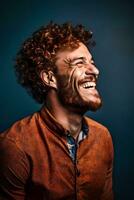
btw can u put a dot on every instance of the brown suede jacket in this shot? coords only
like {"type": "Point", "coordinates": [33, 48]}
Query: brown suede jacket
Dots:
{"type": "Point", "coordinates": [35, 163]}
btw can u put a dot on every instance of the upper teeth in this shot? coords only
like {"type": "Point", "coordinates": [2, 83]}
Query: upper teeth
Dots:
{"type": "Point", "coordinates": [89, 84]}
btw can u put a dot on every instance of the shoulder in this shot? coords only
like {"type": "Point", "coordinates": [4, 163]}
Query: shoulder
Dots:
{"type": "Point", "coordinates": [101, 135]}
{"type": "Point", "coordinates": [99, 131]}
{"type": "Point", "coordinates": [20, 130]}
{"type": "Point", "coordinates": [15, 166]}
{"type": "Point", "coordinates": [12, 154]}
{"type": "Point", "coordinates": [94, 124]}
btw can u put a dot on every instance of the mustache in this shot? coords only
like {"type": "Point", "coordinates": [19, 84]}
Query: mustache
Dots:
{"type": "Point", "coordinates": [89, 78]}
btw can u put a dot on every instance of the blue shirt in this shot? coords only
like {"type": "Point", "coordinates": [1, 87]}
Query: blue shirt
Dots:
{"type": "Point", "coordinates": [73, 144]}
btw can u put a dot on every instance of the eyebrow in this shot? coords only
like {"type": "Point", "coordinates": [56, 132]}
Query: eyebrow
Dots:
{"type": "Point", "coordinates": [70, 61]}
{"type": "Point", "coordinates": [77, 58]}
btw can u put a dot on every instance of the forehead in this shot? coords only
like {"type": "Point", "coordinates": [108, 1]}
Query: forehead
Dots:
{"type": "Point", "coordinates": [81, 51]}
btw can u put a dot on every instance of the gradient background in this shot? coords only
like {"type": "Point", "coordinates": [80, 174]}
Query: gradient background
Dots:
{"type": "Point", "coordinates": [113, 27]}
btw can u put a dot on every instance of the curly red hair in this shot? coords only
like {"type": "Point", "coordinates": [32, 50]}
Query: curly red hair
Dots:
{"type": "Point", "coordinates": [38, 52]}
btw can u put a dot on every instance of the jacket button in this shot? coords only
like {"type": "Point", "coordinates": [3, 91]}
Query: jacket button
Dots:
{"type": "Point", "coordinates": [78, 172]}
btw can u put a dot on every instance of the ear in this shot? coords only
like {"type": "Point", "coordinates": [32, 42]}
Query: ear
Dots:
{"type": "Point", "coordinates": [48, 79]}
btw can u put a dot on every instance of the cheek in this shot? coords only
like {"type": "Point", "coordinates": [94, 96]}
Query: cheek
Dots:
{"type": "Point", "coordinates": [76, 76]}
{"type": "Point", "coordinates": [62, 81]}
{"type": "Point", "coordinates": [70, 78]}
{"type": "Point", "coordinates": [67, 79]}
{"type": "Point", "coordinates": [79, 74]}
{"type": "Point", "coordinates": [63, 78]}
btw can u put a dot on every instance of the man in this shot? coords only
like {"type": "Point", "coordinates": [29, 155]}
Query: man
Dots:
{"type": "Point", "coordinates": [57, 153]}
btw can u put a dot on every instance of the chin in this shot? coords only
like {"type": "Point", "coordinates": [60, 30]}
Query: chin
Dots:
{"type": "Point", "coordinates": [79, 104]}
{"type": "Point", "coordinates": [94, 107]}
{"type": "Point", "coordinates": [94, 104]}
{"type": "Point", "coordinates": [83, 106]}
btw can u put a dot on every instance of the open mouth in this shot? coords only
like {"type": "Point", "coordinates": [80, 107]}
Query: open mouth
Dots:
{"type": "Point", "coordinates": [88, 85]}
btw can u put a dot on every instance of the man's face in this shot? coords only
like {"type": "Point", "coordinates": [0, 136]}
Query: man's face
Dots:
{"type": "Point", "coordinates": [76, 79]}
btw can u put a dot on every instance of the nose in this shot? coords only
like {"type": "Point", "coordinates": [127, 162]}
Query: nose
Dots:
{"type": "Point", "coordinates": [91, 69]}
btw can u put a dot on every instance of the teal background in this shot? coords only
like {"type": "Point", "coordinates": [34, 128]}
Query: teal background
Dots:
{"type": "Point", "coordinates": [113, 27]}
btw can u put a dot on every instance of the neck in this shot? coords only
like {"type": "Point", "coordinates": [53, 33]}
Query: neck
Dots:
{"type": "Point", "coordinates": [69, 118]}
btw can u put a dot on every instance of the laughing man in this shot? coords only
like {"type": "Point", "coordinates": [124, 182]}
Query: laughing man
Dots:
{"type": "Point", "coordinates": [57, 153]}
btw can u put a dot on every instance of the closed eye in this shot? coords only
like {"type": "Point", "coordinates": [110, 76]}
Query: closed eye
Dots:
{"type": "Point", "coordinates": [81, 62]}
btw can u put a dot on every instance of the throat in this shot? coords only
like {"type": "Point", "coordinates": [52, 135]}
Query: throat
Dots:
{"type": "Point", "coordinates": [74, 128]}
{"type": "Point", "coordinates": [64, 115]}
{"type": "Point", "coordinates": [70, 122]}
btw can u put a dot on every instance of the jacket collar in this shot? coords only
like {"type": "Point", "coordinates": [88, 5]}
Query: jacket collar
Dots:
{"type": "Point", "coordinates": [53, 125]}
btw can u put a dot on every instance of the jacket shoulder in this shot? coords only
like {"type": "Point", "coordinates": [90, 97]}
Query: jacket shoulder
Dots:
{"type": "Point", "coordinates": [98, 129]}
{"type": "Point", "coordinates": [101, 134]}
{"type": "Point", "coordinates": [95, 124]}
{"type": "Point", "coordinates": [18, 129]}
